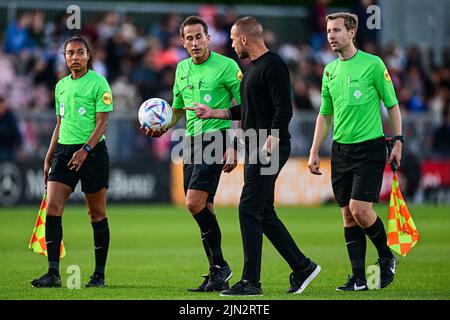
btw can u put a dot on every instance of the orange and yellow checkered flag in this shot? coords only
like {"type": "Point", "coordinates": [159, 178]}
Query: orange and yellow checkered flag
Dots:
{"type": "Point", "coordinates": [402, 232]}
{"type": "Point", "coordinates": [37, 242]}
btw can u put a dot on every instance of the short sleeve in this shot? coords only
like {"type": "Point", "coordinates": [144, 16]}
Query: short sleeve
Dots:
{"type": "Point", "coordinates": [384, 85]}
{"type": "Point", "coordinates": [326, 107]}
{"type": "Point", "coordinates": [57, 99]}
{"type": "Point", "coordinates": [233, 77]}
{"type": "Point", "coordinates": [103, 99]}
{"type": "Point", "coordinates": [178, 102]}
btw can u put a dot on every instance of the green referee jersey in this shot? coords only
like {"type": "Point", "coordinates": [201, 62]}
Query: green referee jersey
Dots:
{"type": "Point", "coordinates": [352, 91]}
{"type": "Point", "coordinates": [77, 102]}
{"type": "Point", "coordinates": [214, 82]}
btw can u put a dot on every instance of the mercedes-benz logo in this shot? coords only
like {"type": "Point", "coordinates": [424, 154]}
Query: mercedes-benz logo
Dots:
{"type": "Point", "coordinates": [10, 184]}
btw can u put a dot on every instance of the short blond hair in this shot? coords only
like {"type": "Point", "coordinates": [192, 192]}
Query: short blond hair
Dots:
{"type": "Point", "coordinates": [350, 20]}
{"type": "Point", "coordinates": [250, 27]}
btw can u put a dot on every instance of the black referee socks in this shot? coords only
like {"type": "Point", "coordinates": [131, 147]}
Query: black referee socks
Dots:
{"type": "Point", "coordinates": [101, 245]}
{"type": "Point", "coordinates": [355, 239]}
{"type": "Point", "coordinates": [207, 250]}
{"type": "Point", "coordinates": [377, 234]}
{"type": "Point", "coordinates": [53, 237]}
{"type": "Point", "coordinates": [210, 230]}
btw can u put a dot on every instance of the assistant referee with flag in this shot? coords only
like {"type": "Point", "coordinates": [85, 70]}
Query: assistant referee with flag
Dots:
{"type": "Point", "coordinates": [352, 88]}
{"type": "Point", "coordinates": [77, 152]}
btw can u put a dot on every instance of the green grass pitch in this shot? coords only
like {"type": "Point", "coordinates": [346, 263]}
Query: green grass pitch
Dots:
{"type": "Point", "coordinates": [156, 253]}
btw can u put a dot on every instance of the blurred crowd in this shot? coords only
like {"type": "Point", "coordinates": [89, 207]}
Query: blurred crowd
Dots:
{"type": "Point", "coordinates": [139, 62]}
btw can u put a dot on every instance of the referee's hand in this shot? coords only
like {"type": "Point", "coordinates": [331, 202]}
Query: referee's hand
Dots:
{"type": "Point", "coordinates": [202, 111]}
{"type": "Point", "coordinates": [396, 154]}
{"type": "Point", "coordinates": [46, 171]}
{"type": "Point", "coordinates": [230, 160]}
{"type": "Point", "coordinates": [314, 164]}
{"type": "Point", "coordinates": [153, 133]}
{"type": "Point", "coordinates": [77, 160]}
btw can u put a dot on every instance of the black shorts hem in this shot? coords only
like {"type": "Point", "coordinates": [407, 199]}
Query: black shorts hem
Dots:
{"type": "Point", "coordinates": [364, 199]}
{"type": "Point", "coordinates": [93, 190]}
{"type": "Point", "coordinates": [210, 194]}
{"type": "Point", "coordinates": [55, 179]}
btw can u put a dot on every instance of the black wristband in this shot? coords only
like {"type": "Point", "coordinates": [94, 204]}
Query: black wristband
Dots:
{"type": "Point", "coordinates": [87, 148]}
{"type": "Point", "coordinates": [399, 138]}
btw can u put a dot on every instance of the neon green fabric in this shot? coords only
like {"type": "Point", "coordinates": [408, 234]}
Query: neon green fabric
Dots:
{"type": "Point", "coordinates": [77, 102]}
{"type": "Point", "coordinates": [214, 82]}
{"type": "Point", "coordinates": [352, 91]}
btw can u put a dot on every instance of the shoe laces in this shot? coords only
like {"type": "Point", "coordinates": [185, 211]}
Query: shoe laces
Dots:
{"type": "Point", "coordinates": [292, 279]}
{"type": "Point", "coordinates": [349, 278]}
{"type": "Point", "coordinates": [383, 262]}
{"type": "Point", "coordinates": [95, 277]}
{"type": "Point", "coordinates": [47, 275]}
{"type": "Point", "coordinates": [239, 284]}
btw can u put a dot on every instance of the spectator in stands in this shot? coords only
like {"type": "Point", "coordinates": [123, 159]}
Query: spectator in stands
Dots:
{"type": "Point", "coordinates": [37, 29]}
{"type": "Point", "coordinates": [31, 62]}
{"type": "Point", "coordinates": [10, 138]}
{"type": "Point", "coordinates": [316, 17]}
{"type": "Point", "coordinates": [18, 35]}
{"type": "Point", "coordinates": [167, 29]}
{"type": "Point", "coordinates": [366, 36]}
{"type": "Point", "coordinates": [108, 27]}
{"type": "Point", "coordinates": [146, 77]}
{"type": "Point", "coordinates": [8, 73]}
{"type": "Point", "coordinates": [441, 137]}
{"type": "Point", "coordinates": [301, 98]}
{"type": "Point", "coordinates": [441, 99]}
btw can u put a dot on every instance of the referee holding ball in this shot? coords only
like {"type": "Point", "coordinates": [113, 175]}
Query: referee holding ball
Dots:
{"type": "Point", "coordinates": [77, 152]}
{"type": "Point", "coordinates": [352, 88]}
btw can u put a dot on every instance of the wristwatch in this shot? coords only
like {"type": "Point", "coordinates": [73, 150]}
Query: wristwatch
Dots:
{"type": "Point", "coordinates": [399, 138]}
{"type": "Point", "coordinates": [87, 148]}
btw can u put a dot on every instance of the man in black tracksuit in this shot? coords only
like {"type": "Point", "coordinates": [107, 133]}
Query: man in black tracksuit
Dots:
{"type": "Point", "coordinates": [265, 105]}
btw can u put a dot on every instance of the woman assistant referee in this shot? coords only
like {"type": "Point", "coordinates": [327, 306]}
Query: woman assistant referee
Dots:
{"type": "Point", "coordinates": [77, 152]}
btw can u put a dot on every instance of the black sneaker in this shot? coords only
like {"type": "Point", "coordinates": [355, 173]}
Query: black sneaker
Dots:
{"type": "Point", "coordinates": [218, 277]}
{"type": "Point", "coordinates": [202, 286]}
{"type": "Point", "coordinates": [47, 280]}
{"type": "Point", "coordinates": [387, 271]}
{"type": "Point", "coordinates": [244, 288]}
{"type": "Point", "coordinates": [354, 284]}
{"type": "Point", "coordinates": [96, 281]}
{"type": "Point", "coordinates": [300, 280]}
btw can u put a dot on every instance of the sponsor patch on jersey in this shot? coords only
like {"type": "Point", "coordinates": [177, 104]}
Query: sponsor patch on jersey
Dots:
{"type": "Point", "coordinates": [107, 98]}
{"type": "Point", "coordinates": [82, 111]}
{"type": "Point", "coordinates": [386, 75]}
{"type": "Point", "coordinates": [239, 75]}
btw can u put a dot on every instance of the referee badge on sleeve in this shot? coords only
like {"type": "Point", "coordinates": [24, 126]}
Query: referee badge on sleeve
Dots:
{"type": "Point", "coordinates": [386, 75]}
{"type": "Point", "coordinates": [239, 75]}
{"type": "Point", "coordinates": [107, 98]}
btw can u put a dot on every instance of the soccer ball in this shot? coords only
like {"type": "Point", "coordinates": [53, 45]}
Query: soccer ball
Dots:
{"type": "Point", "coordinates": [155, 114]}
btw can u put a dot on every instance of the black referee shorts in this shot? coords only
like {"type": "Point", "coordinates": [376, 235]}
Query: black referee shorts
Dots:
{"type": "Point", "coordinates": [94, 172]}
{"type": "Point", "coordinates": [203, 176]}
{"type": "Point", "coordinates": [357, 170]}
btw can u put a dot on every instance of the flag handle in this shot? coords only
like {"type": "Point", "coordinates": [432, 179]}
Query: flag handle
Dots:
{"type": "Point", "coordinates": [389, 145]}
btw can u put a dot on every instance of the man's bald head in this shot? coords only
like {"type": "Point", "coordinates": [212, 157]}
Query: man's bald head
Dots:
{"type": "Point", "coordinates": [249, 27]}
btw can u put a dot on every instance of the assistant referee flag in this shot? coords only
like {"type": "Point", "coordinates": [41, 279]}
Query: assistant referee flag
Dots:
{"type": "Point", "coordinates": [402, 232]}
{"type": "Point", "coordinates": [37, 242]}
